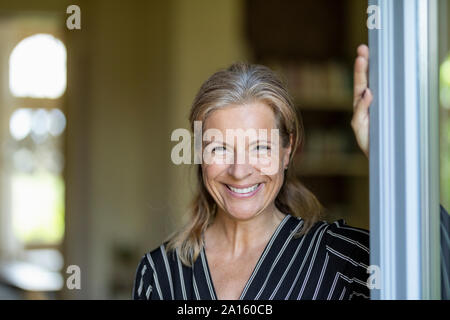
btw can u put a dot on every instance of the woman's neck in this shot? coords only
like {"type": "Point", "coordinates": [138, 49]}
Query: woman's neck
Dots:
{"type": "Point", "coordinates": [234, 237]}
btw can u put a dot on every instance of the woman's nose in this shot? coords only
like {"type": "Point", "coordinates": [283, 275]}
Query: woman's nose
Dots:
{"type": "Point", "coordinates": [240, 171]}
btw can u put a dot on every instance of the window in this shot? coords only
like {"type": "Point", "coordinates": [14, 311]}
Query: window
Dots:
{"type": "Point", "coordinates": [35, 161]}
{"type": "Point", "coordinates": [32, 133]}
{"type": "Point", "coordinates": [37, 67]}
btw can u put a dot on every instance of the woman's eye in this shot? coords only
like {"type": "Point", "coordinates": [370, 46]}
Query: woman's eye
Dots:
{"type": "Point", "coordinates": [218, 149]}
{"type": "Point", "coordinates": [262, 148]}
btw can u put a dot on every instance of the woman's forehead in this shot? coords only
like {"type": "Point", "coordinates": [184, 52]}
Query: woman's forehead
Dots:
{"type": "Point", "coordinates": [255, 115]}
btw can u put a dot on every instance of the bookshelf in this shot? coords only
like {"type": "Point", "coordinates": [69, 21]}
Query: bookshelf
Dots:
{"type": "Point", "coordinates": [306, 43]}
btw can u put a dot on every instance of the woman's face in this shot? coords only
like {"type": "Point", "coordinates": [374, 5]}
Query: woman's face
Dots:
{"type": "Point", "coordinates": [243, 171]}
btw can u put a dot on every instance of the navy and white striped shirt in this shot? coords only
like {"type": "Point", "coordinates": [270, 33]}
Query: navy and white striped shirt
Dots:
{"type": "Point", "coordinates": [329, 262]}
{"type": "Point", "coordinates": [445, 254]}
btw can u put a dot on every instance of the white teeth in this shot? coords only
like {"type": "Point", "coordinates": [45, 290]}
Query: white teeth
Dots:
{"type": "Point", "coordinates": [244, 190]}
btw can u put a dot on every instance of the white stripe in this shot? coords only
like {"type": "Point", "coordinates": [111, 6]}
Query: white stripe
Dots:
{"type": "Point", "coordinates": [342, 294]}
{"type": "Point", "coordinates": [155, 276]}
{"type": "Point", "coordinates": [261, 259]}
{"type": "Point", "coordinates": [311, 265]}
{"type": "Point", "coordinates": [169, 273]}
{"type": "Point", "coordinates": [343, 276]}
{"type": "Point", "coordinates": [324, 224]}
{"type": "Point", "coordinates": [321, 277]}
{"type": "Point", "coordinates": [352, 279]}
{"type": "Point", "coordinates": [353, 229]}
{"type": "Point", "coordinates": [207, 275]}
{"type": "Point", "coordinates": [149, 290]}
{"type": "Point", "coordinates": [365, 266]}
{"type": "Point", "coordinates": [280, 253]}
{"type": "Point", "coordinates": [141, 284]}
{"type": "Point", "coordinates": [180, 270]}
{"type": "Point", "coordinates": [342, 256]}
{"type": "Point", "coordinates": [358, 281]}
{"type": "Point", "coordinates": [288, 268]}
{"type": "Point", "coordinates": [333, 286]}
{"type": "Point", "coordinates": [356, 243]}
{"type": "Point", "coordinates": [197, 295]}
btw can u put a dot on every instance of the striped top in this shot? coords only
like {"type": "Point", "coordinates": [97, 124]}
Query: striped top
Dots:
{"type": "Point", "coordinates": [445, 254]}
{"type": "Point", "coordinates": [329, 262]}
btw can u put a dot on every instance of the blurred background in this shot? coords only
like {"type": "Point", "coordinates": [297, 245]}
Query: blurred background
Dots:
{"type": "Point", "coordinates": [86, 116]}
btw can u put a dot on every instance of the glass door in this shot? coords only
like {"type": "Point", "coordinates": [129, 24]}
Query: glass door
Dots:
{"type": "Point", "coordinates": [404, 150]}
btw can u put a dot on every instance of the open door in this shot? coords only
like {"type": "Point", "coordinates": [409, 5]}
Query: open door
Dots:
{"type": "Point", "coordinates": [404, 150]}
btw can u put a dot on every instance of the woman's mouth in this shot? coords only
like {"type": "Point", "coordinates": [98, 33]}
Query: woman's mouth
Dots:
{"type": "Point", "coordinates": [244, 192]}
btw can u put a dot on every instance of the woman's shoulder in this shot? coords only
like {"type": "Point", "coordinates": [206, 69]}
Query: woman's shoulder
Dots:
{"type": "Point", "coordinates": [144, 276]}
{"type": "Point", "coordinates": [339, 238]}
{"type": "Point", "coordinates": [336, 237]}
{"type": "Point", "coordinates": [345, 241]}
{"type": "Point", "coordinates": [151, 267]}
{"type": "Point", "coordinates": [158, 256]}
{"type": "Point", "coordinates": [338, 229]}
{"type": "Point", "coordinates": [350, 235]}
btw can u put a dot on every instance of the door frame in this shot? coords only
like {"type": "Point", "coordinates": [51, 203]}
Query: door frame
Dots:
{"type": "Point", "coordinates": [404, 150]}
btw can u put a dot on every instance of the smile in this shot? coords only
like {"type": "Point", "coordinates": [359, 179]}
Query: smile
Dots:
{"type": "Point", "coordinates": [244, 192]}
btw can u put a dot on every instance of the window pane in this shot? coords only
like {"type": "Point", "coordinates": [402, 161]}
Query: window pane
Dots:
{"type": "Point", "coordinates": [37, 185]}
{"type": "Point", "coordinates": [38, 207]}
{"type": "Point", "coordinates": [37, 67]}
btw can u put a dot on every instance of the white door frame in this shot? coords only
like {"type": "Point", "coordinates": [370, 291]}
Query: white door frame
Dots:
{"type": "Point", "coordinates": [404, 150]}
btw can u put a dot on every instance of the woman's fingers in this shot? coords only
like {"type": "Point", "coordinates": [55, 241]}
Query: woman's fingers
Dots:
{"type": "Point", "coordinates": [361, 111]}
{"type": "Point", "coordinates": [362, 98]}
{"type": "Point", "coordinates": [363, 50]}
{"type": "Point", "coordinates": [360, 73]}
{"type": "Point", "coordinates": [360, 120]}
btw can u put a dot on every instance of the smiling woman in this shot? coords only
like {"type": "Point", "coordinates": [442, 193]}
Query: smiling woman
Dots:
{"type": "Point", "coordinates": [254, 234]}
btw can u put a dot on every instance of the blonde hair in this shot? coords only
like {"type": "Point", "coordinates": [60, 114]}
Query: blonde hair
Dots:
{"type": "Point", "coordinates": [239, 84]}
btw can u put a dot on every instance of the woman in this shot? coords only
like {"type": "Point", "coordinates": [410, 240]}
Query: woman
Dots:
{"type": "Point", "coordinates": [257, 233]}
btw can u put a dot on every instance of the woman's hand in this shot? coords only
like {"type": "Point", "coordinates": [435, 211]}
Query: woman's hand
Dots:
{"type": "Point", "coordinates": [362, 98]}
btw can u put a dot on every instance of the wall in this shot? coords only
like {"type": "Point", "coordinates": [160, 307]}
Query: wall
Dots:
{"type": "Point", "coordinates": [117, 102]}
{"type": "Point", "coordinates": [133, 72]}
{"type": "Point", "coordinates": [205, 37]}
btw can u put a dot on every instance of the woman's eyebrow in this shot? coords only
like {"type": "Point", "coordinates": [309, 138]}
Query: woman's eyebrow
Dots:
{"type": "Point", "coordinates": [259, 141]}
{"type": "Point", "coordinates": [207, 143]}
{"type": "Point", "coordinates": [225, 143]}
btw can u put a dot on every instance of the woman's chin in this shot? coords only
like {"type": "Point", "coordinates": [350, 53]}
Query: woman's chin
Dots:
{"type": "Point", "coordinates": [243, 213]}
